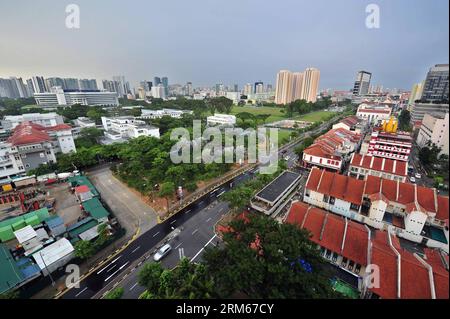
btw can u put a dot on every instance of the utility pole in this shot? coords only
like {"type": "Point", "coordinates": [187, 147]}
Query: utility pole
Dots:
{"type": "Point", "coordinates": [45, 265]}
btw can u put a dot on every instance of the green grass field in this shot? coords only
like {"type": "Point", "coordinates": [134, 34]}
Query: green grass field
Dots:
{"type": "Point", "coordinates": [275, 112]}
{"type": "Point", "coordinates": [316, 116]}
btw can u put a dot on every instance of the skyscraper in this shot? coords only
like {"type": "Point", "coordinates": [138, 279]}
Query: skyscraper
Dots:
{"type": "Point", "coordinates": [188, 89]}
{"type": "Point", "coordinates": [165, 83]}
{"type": "Point", "coordinates": [51, 82]}
{"type": "Point", "coordinates": [259, 87]}
{"type": "Point", "coordinates": [248, 89]}
{"type": "Point", "coordinates": [416, 92]}
{"type": "Point", "coordinates": [156, 81]}
{"type": "Point", "coordinates": [436, 84]}
{"type": "Point", "coordinates": [39, 84]}
{"type": "Point", "coordinates": [283, 87]}
{"type": "Point", "coordinates": [310, 85]}
{"type": "Point", "coordinates": [297, 83]}
{"type": "Point", "coordinates": [362, 83]}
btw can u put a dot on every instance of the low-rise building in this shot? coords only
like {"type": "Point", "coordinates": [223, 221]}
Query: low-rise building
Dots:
{"type": "Point", "coordinates": [434, 129]}
{"type": "Point", "coordinates": [415, 212]}
{"type": "Point", "coordinates": [373, 114]}
{"type": "Point", "coordinates": [10, 122]}
{"type": "Point", "coordinates": [332, 149]}
{"type": "Point", "coordinates": [221, 119]}
{"type": "Point", "coordinates": [123, 128]}
{"type": "Point", "coordinates": [351, 123]}
{"type": "Point", "coordinates": [58, 96]}
{"type": "Point", "coordinates": [352, 246]}
{"type": "Point", "coordinates": [390, 145]}
{"type": "Point", "coordinates": [362, 166]}
{"type": "Point", "coordinates": [84, 122]}
{"type": "Point", "coordinates": [54, 256]}
{"type": "Point", "coordinates": [156, 114]}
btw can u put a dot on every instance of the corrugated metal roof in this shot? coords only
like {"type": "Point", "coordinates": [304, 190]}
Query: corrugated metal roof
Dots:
{"type": "Point", "coordinates": [53, 253]}
{"type": "Point", "coordinates": [25, 234]}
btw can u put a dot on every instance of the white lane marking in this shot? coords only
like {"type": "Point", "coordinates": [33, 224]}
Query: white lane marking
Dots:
{"type": "Point", "coordinates": [212, 238]}
{"type": "Point", "coordinates": [220, 194]}
{"type": "Point", "coordinates": [178, 245]}
{"type": "Point", "coordinates": [80, 292]}
{"type": "Point", "coordinates": [156, 234]}
{"type": "Point", "coordinates": [111, 268]}
{"type": "Point", "coordinates": [187, 211]}
{"type": "Point", "coordinates": [134, 250]}
{"type": "Point", "coordinates": [173, 221]}
{"type": "Point", "coordinates": [196, 230]}
{"type": "Point", "coordinates": [117, 271]}
{"type": "Point", "coordinates": [112, 262]}
{"type": "Point", "coordinates": [201, 202]}
{"type": "Point", "coordinates": [132, 287]}
{"type": "Point", "coordinates": [208, 219]}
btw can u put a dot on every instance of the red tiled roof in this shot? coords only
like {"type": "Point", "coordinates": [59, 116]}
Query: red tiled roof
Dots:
{"type": "Point", "coordinates": [59, 127]}
{"type": "Point", "coordinates": [384, 257]}
{"type": "Point", "coordinates": [442, 212]}
{"type": "Point", "coordinates": [333, 233]}
{"type": "Point", "coordinates": [405, 193]}
{"type": "Point", "coordinates": [415, 282]}
{"type": "Point", "coordinates": [440, 274]}
{"type": "Point", "coordinates": [354, 191]}
{"type": "Point", "coordinates": [326, 182]}
{"type": "Point", "coordinates": [356, 243]}
{"type": "Point", "coordinates": [297, 213]}
{"type": "Point", "coordinates": [389, 189]}
{"type": "Point", "coordinates": [425, 197]}
{"type": "Point", "coordinates": [28, 133]}
{"type": "Point", "coordinates": [313, 178]}
{"type": "Point", "coordinates": [372, 185]}
{"type": "Point", "coordinates": [313, 222]}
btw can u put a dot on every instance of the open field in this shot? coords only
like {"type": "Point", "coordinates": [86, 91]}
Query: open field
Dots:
{"type": "Point", "coordinates": [275, 112]}
{"type": "Point", "coordinates": [315, 116]}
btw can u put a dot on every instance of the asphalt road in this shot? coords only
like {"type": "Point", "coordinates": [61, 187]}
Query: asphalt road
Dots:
{"type": "Point", "coordinates": [96, 281]}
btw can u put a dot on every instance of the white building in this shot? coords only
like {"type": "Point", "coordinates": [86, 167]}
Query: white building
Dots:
{"type": "Point", "coordinates": [434, 129]}
{"type": "Point", "coordinates": [234, 96]}
{"type": "Point", "coordinates": [84, 122]}
{"type": "Point", "coordinates": [159, 91]}
{"type": "Point", "coordinates": [9, 122]}
{"type": "Point", "coordinates": [54, 256]}
{"type": "Point", "coordinates": [221, 119]}
{"type": "Point", "coordinates": [156, 114]}
{"type": "Point", "coordinates": [58, 96]}
{"type": "Point", "coordinates": [126, 127]}
{"type": "Point", "coordinates": [373, 114]}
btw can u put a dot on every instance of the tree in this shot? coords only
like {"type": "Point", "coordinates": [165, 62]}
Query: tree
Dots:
{"type": "Point", "coordinates": [264, 259]}
{"type": "Point", "coordinates": [167, 189]}
{"type": "Point", "coordinates": [88, 137]}
{"type": "Point", "coordinates": [404, 120]}
{"type": "Point", "coordinates": [149, 276]}
{"type": "Point", "coordinates": [84, 249]}
{"type": "Point", "coordinates": [262, 117]}
{"type": "Point", "coordinates": [428, 155]}
{"type": "Point", "coordinates": [116, 293]}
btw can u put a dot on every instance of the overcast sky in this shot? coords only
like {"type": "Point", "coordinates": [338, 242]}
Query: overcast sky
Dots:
{"type": "Point", "coordinates": [232, 41]}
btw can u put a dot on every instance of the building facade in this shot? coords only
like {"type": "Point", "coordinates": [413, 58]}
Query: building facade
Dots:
{"type": "Point", "coordinates": [436, 84]}
{"type": "Point", "coordinates": [362, 83]}
{"type": "Point", "coordinates": [434, 129]}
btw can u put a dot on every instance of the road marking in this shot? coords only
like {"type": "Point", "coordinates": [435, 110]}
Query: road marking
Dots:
{"type": "Point", "coordinates": [111, 268]}
{"type": "Point", "coordinates": [134, 250]}
{"type": "Point", "coordinates": [201, 202]}
{"type": "Point", "coordinates": [181, 252]}
{"type": "Point", "coordinates": [132, 287]}
{"type": "Point", "coordinates": [208, 219]}
{"type": "Point", "coordinates": [187, 211]}
{"type": "Point", "coordinates": [81, 292]}
{"type": "Point", "coordinates": [116, 271]}
{"type": "Point", "coordinates": [155, 234]}
{"type": "Point", "coordinates": [178, 245]}
{"type": "Point", "coordinates": [220, 194]}
{"type": "Point", "coordinates": [196, 230]}
{"type": "Point", "coordinates": [112, 262]}
{"type": "Point", "coordinates": [212, 238]}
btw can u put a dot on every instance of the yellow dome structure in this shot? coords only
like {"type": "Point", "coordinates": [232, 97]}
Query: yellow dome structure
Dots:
{"type": "Point", "coordinates": [390, 126]}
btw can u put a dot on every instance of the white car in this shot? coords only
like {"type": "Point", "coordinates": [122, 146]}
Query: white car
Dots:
{"type": "Point", "coordinates": [412, 179]}
{"type": "Point", "coordinates": [162, 252]}
{"type": "Point", "coordinates": [418, 176]}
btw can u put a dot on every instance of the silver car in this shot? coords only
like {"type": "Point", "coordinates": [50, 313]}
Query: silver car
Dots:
{"type": "Point", "coordinates": [162, 252]}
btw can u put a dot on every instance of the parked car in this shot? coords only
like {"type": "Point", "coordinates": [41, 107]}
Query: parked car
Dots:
{"type": "Point", "coordinates": [418, 176]}
{"type": "Point", "coordinates": [412, 179]}
{"type": "Point", "coordinates": [162, 252]}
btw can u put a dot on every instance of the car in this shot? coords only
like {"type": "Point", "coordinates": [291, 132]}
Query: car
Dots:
{"type": "Point", "coordinates": [412, 179]}
{"type": "Point", "coordinates": [418, 176]}
{"type": "Point", "coordinates": [286, 158]}
{"type": "Point", "coordinates": [162, 252]}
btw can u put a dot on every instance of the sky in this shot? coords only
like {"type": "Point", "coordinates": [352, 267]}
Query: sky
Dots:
{"type": "Point", "coordinates": [218, 41]}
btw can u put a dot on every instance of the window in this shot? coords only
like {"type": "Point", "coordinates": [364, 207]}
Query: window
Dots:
{"type": "Point", "coordinates": [325, 198]}
{"type": "Point", "coordinates": [357, 268]}
{"type": "Point", "coordinates": [332, 200]}
{"type": "Point", "coordinates": [335, 256]}
{"type": "Point", "coordinates": [328, 254]}
{"type": "Point", "coordinates": [307, 193]}
{"type": "Point", "coordinates": [354, 207]}
{"type": "Point", "coordinates": [350, 265]}
{"type": "Point", "coordinates": [344, 262]}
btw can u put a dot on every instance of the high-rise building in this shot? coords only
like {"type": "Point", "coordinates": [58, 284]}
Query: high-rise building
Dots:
{"type": "Point", "coordinates": [159, 91]}
{"type": "Point", "coordinates": [165, 83]}
{"type": "Point", "coordinates": [71, 84]}
{"type": "Point", "coordinates": [283, 88]}
{"type": "Point", "coordinates": [38, 83]}
{"type": "Point", "coordinates": [416, 92]}
{"type": "Point", "coordinates": [235, 88]}
{"type": "Point", "coordinates": [436, 84]}
{"type": "Point", "coordinates": [51, 82]}
{"type": "Point", "coordinates": [188, 89]}
{"type": "Point", "coordinates": [310, 85]}
{"type": "Point", "coordinates": [259, 87]}
{"type": "Point", "coordinates": [156, 81]}
{"type": "Point", "coordinates": [13, 88]}
{"type": "Point", "coordinates": [248, 89]}
{"type": "Point", "coordinates": [269, 88]}
{"type": "Point", "coordinates": [434, 129]}
{"type": "Point", "coordinates": [297, 83]}
{"type": "Point", "coordinates": [362, 83]}
{"type": "Point", "coordinates": [85, 84]}
{"type": "Point", "coordinates": [123, 89]}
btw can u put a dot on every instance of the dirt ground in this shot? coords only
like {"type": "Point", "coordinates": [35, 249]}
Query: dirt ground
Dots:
{"type": "Point", "coordinates": [66, 203]}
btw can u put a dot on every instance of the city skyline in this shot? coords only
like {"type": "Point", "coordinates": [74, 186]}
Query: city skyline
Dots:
{"type": "Point", "coordinates": [140, 51]}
